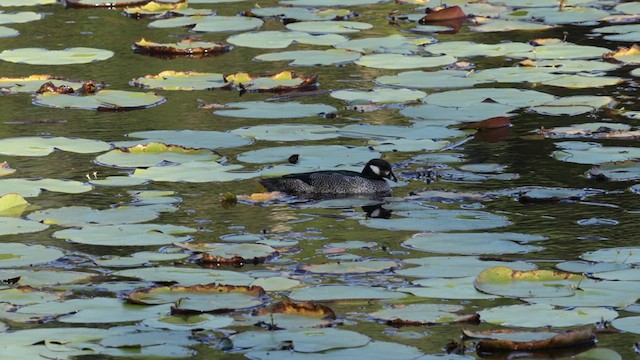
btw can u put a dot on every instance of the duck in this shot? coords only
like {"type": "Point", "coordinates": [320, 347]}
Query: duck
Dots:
{"type": "Point", "coordinates": [336, 183]}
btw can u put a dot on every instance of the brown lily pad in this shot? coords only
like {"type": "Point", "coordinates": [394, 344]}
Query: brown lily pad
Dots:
{"type": "Point", "coordinates": [499, 340]}
{"type": "Point", "coordinates": [302, 308]}
{"type": "Point", "coordinates": [282, 81]}
{"type": "Point", "coordinates": [103, 4]}
{"type": "Point", "coordinates": [623, 52]}
{"type": "Point", "coordinates": [152, 7]}
{"type": "Point", "coordinates": [444, 14]}
{"type": "Point", "coordinates": [188, 46]}
{"type": "Point", "coordinates": [491, 123]}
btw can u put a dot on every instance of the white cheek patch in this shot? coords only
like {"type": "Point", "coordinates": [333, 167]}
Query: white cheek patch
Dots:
{"type": "Point", "coordinates": [376, 170]}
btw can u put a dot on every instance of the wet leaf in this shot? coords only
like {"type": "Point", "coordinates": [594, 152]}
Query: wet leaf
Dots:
{"type": "Point", "coordinates": [212, 23]}
{"type": "Point", "coordinates": [18, 254]}
{"type": "Point", "coordinates": [381, 349]}
{"type": "Point", "coordinates": [455, 266]}
{"type": "Point", "coordinates": [189, 322]}
{"type": "Point", "coordinates": [329, 27]}
{"type": "Point", "coordinates": [510, 340]}
{"type": "Point", "coordinates": [329, 293]}
{"type": "Point", "coordinates": [474, 243]}
{"type": "Point", "coordinates": [287, 132]}
{"type": "Point", "coordinates": [43, 146]}
{"type": "Point", "coordinates": [224, 253]}
{"type": "Point", "coordinates": [153, 153]}
{"type": "Point", "coordinates": [312, 57]}
{"type": "Point", "coordinates": [446, 288]}
{"type": "Point", "coordinates": [103, 100]}
{"type": "Point", "coordinates": [303, 340]}
{"type": "Point", "coordinates": [40, 56]}
{"type": "Point", "coordinates": [400, 61]}
{"type": "Point", "coordinates": [379, 95]}
{"type": "Point", "coordinates": [13, 225]}
{"type": "Point", "coordinates": [282, 39]}
{"type": "Point", "coordinates": [82, 216]}
{"type": "Point", "coordinates": [187, 276]}
{"type": "Point", "coordinates": [126, 235]}
{"type": "Point", "coordinates": [439, 220]}
{"type": "Point", "coordinates": [540, 315]}
{"type": "Point", "coordinates": [197, 139]}
{"type": "Point", "coordinates": [507, 282]}
{"type": "Point", "coordinates": [12, 205]}
{"type": "Point", "coordinates": [354, 267]}
{"type": "Point", "coordinates": [270, 110]}
{"type": "Point", "coordinates": [422, 314]}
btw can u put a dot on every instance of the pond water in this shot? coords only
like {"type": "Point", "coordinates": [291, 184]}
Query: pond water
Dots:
{"type": "Point", "coordinates": [501, 181]}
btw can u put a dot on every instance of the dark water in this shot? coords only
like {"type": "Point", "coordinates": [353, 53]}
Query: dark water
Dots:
{"type": "Point", "coordinates": [109, 29]}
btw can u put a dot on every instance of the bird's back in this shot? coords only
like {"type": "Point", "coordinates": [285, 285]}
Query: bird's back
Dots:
{"type": "Point", "coordinates": [326, 182]}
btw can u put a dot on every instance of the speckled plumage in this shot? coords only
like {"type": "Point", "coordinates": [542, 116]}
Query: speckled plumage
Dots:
{"type": "Point", "coordinates": [336, 183]}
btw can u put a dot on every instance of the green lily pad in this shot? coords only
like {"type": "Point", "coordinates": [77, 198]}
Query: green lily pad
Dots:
{"type": "Point", "coordinates": [6, 32]}
{"type": "Point", "coordinates": [470, 49]}
{"type": "Point", "coordinates": [26, 2]}
{"type": "Point", "coordinates": [18, 254]}
{"type": "Point", "coordinates": [213, 23]}
{"type": "Point", "coordinates": [65, 335]}
{"type": "Point", "coordinates": [354, 267]}
{"type": "Point", "coordinates": [40, 56]}
{"type": "Point", "coordinates": [33, 83]}
{"type": "Point", "coordinates": [43, 146]}
{"type": "Point", "coordinates": [104, 100]}
{"type": "Point", "coordinates": [304, 340]}
{"type": "Point", "coordinates": [569, 15]}
{"type": "Point", "coordinates": [585, 267]}
{"type": "Point", "coordinates": [126, 235]}
{"type": "Point", "coordinates": [82, 215]}
{"type": "Point", "coordinates": [540, 315]}
{"type": "Point", "coordinates": [153, 153]}
{"type": "Point", "coordinates": [195, 172]}
{"type": "Point", "coordinates": [301, 14]}
{"type": "Point", "coordinates": [33, 187]}
{"type": "Point", "coordinates": [272, 110]}
{"type": "Point", "coordinates": [397, 44]}
{"type": "Point", "coordinates": [455, 266]}
{"type": "Point", "coordinates": [573, 105]}
{"type": "Point", "coordinates": [474, 243]}
{"type": "Point", "coordinates": [617, 171]}
{"type": "Point", "coordinates": [584, 130]}
{"type": "Point", "coordinates": [312, 57]}
{"type": "Point", "coordinates": [379, 95]}
{"type": "Point", "coordinates": [231, 253]}
{"type": "Point", "coordinates": [329, 27]}
{"type": "Point", "coordinates": [12, 225]}
{"type": "Point", "coordinates": [400, 61]}
{"type": "Point", "coordinates": [446, 288]}
{"type": "Point", "coordinates": [40, 278]}
{"type": "Point", "coordinates": [496, 25]}
{"type": "Point", "coordinates": [200, 321]}
{"type": "Point", "coordinates": [439, 220]}
{"type": "Point", "coordinates": [92, 310]}
{"type": "Point", "coordinates": [419, 131]}
{"type": "Point", "coordinates": [12, 204]}
{"type": "Point", "coordinates": [474, 97]}
{"type": "Point", "coordinates": [563, 50]}
{"type": "Point", "coordinates": [420, 314]}
{"type": "Point", "coordinates": [19, 17]}
{"type": "Point", "coordinates": [595, 293]}
{"type": "Point", "coordinates": [374, 349]}
{"type": "Point", "coordinates": [624, 255]}
{"type": "Point", "coordinates": [118, 181]}
{"type": "Point", "coordinates": [287, 132]}
{"type": "Point", "coordinates": [507, 282]}
{"type": "Point", "coordinates": [477, 112]}
{"type": "Point", "coordinates": [187, 276]}
{"type": "Point", "coordinates": [593, 153]}
{"type": "Point", "coordinates": [276, 283]}
{"type": "Point", "coordinates": [431, 79]}
{"type": "Point", "coordinates": [330, 3]}
{"type": "Point", "coordinates": [343, 293]}
{"type": "Point", "coordinates": [197, 139]}
{"type": "Point", "coordinates": [629, 324]}
{"type": "Point", "coordinates": [282, 39]}
{"type": "Point", "coordinates": [311, 156]}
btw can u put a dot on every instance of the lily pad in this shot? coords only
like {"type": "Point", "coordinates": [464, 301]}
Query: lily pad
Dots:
{"type": "Point", "coordinates": [440, 79]}
{"type": "Point", "coordinates": [187, 46]}
{"type": "Point", "coordinates": [421, 314]}
{"type": "Point", "coordinates": [40, 56]}
{"type": "Point", "coordinates": [195, 172]}
{"type": "Point", "coordinates": [477, 112]}
{"type": "Point", "coordinates": [225, 253]}
{"type": "Point", "coordinates": [438, 220]}
{"type": "Point", "coordinates": [272, 110]}
{"type": "Point", "coordinates": [379, 95]}
{"type": "Point", "coordinates": [474, 243]}
{"type": "Point", "coordinates": [200, 321]}
{"type": "Point", "coordinates": [470, 49]}
{"type": "Point", "coordinates": [103, 100]}
{"type": "Point", "coordinates": [593, 153]}
{"type": "Point", "coordinates": [400, 61]}
{"type": "Point", "coordinates": [312, 57]}
{"type": "Point", "coordinates": [282, 39]}
{"type": "Point", "coordinates": [325, 293]}
{"type": "Point", "coordinates": [380, 349]}
{"type": "Point", "coordinates": [304, 340]}
{"type": "Point", "coordinates": [354, 267]}
{"type": "Point", "coordinates": [499, 25]}
{"type": "Point", "coordinates": [126, 235]}
{"type": "Point", "coordinates": [43, 146]}
{"type": "Point", "coordinates": [187, 276]}
{"type": "Point", "coordinates": [197, 139]}
{"type": "Point", "coordinates": [455, 266]}
{"type": "Point", "coordinates": [201, 298]}
{"type": "Point", "coordinates": [213, 23]}
{"type": "Point", "coordinates": [507, 282]}
{"type": "Point", "coordinates": [153, 153]}
{"type": "Point", "coordinates": [301, 14]}
{"type": "Point", "coordinates": [446, 288]}
{"type": "Point", "coordinates": [82, 215]}
{"type": "Point", "coordinates": [540, 315]}
{"type": "Point", "coordinates": [397, 44]}
{"type": "Point", "coordinates": [33, 187]}
{"type": "Point", "coordinates": [18, 254]}
{"type": "Point", "coordinates": [288, 132]}
{"type": "Point", "coordinates": [175, 80]}
{"type": "Point", "coordinates": [329, 27]}
{"type": "Point", "coordinates": [40, 278]}
{"type": "Point", "coordinates": [506, 96]}
{"type": "Point", "coordinates": [6, 32]}
{"type": "Point", "coordinates": [310, 156]}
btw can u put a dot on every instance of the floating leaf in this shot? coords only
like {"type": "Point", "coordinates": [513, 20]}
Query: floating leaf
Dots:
{"type": "Point", "coordinates": [473, 243]}
{"type": "Point", "coordinates": [630, 55]}
{"type": "Point", "coordinates": [82, 215]}
{"type": "Point", "coordinates": [212, 23]}
{"type": "Point", "coordinates": [192, 322]}
{"type": "Point", "coordinates": [379, 95]}
{"type": "Point", "coordinates": [126, 235]}
{"type": "Point", "coordinates": [33, 187]}
{"type": "Point", "coordinates": [187, 46]}
{"type": "Point", "coordinates": [310, 156]}
{"type": "Point", "coordinates": [312, 57]}
{"type": "Point", "coordinates": [303, 340]}
{"type": "Point", "coordinates": [40, 278]}
{"type": "Point", "coordinates": [593, 153]}
{"type": "Point", "coordinates": [514, 340]}
{"type": "Point", "coordinates": [104, 100]}
{"type": "Point", "coordinates": [223, 253]}
{"type": "Point", "coordinates": [439, 220]}
{"type": "Point", "coordinates": [495, 25]}
{"type": "Point", "coordinates": [470, 49]}
{"type": "Point", "coordinates": [197, 139]}
{"type": "Point", "coordinates": [431, 79]}
{"type": "Point", "coordinates": [187, 276]}
{"type": "Point", "coordinates": [374, 349]}
{"type": "Point", "coordinates": [282, 39]}
{"type": "Point", "coordinates": [6, 32]}
{"type": "Point", "coordinates": [301, 14]}
{"type": "Point", "coordinates": [201, 298]}
{"type": "Point", "coordinates": [19, 17]}
{"type": "Point", "coordinates": [446, 288]}
{"type": "Point", "coordinates": [343, 293]}
{"type": "Point", "coordinates": [422, 314]}
{"type": "Point", "coordinates": [391, 44]}
{"type": "Point", "coordinates": [400, 61]}
{"type": "Point", "coordinates": [43, 146]}
{"type": "Point", "coordinates": [504, 281]}
{"type": "Point", "coordinates": [195, 172]}
{"type": "Point", "coordinates": [288, 132]}
{"type": "Point", "coordinates": [354, 267]}
{"type": "Point", "coordinates": [329, 27]}
{"type": "Point", "coordinates": [18, 254]}
{"type": "Point", "coordinates": [153, 153]}
{"type": "Point", "coordinates": [12, 205]}
{"type": "Point", "coordinates": [455, 266]}
{"type": "Point", "coordinates": [40, 56]}
{"type": "Point", "coordinates": [270, 110]}
{"type": "Point", "coordinates": [539, 315]}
